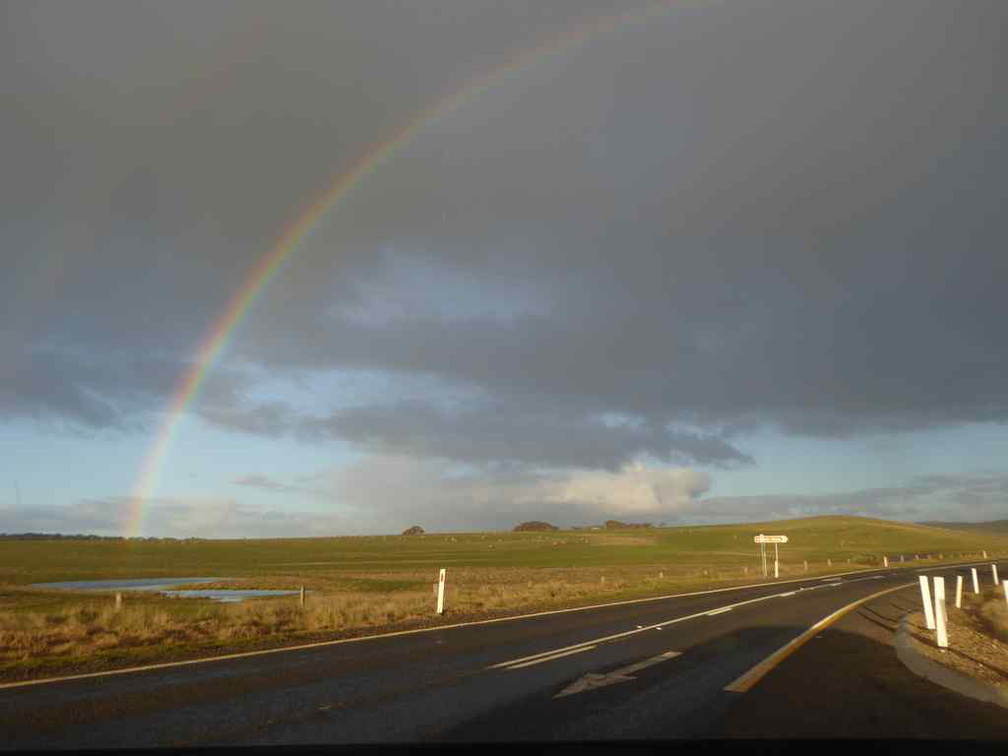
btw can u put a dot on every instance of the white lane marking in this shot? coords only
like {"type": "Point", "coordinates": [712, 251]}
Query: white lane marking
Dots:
{"type": "Point", "coordinates": [789, 593]}
{"type": "Point", "coordinates": [510, 664]}
{"type": "Point", "coordinates": [722, 610]}
{"type": "Point", "coordinates": [593, 680]}
{"type": "Point", "coordinates": [551, 658]}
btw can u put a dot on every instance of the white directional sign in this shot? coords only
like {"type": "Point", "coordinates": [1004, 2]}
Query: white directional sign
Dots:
{"type": "Point", "coordinates": [770, 539]}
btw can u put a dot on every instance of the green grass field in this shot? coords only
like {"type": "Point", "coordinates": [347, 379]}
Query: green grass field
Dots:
{"type": "Point", "coordinates": [360, 584]}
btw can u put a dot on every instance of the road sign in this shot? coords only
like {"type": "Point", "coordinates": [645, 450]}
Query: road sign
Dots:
{"type": "Point", "coordinates": [770, 539]}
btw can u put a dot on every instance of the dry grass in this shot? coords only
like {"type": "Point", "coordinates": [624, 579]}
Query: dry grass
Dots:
{"type": "Point", "coordinates": [71, 629]}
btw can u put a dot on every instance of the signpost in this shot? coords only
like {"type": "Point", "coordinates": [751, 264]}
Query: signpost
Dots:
{"type": "Point", "coordinates": [763, 540]}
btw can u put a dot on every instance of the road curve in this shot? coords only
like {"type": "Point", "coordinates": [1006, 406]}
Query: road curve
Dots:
{"type": "Point", "coordinates": [657, 669]}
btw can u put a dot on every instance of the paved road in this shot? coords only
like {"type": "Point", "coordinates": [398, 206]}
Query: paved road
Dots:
{"type": "Point", "coordinates": [660, 667]}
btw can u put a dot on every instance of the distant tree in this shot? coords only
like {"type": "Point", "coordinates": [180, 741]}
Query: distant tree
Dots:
{"type": "Point", "coordinates": [415, 530]}
{"type": "Point", "coordinates": [617, 525]}
{"type": "Point", "coordinates": [534, 526]}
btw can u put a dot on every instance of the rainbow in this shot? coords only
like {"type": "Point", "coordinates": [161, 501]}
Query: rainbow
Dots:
{"type": "Point", "coordinates": [265, 270]}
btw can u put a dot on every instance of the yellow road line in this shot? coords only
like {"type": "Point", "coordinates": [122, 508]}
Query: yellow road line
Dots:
{"type": "Point", "coordinates": [758, 672]}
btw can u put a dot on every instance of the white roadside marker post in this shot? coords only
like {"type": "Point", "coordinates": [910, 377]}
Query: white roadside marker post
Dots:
{"type": "Point", "coordinates": [118, 604]}
{"type": "Point", "coordinates": [985, 554]}
{"type": "Point", "coordinates": [302, 595]}
{"type": "Point", "coordinates": [805, 562]}
{"type": "Point", "coordinates": [926, 601]}
{"type": "Point", "coordinates": [440, 592]}
{"type": "Point", "coordinates": [941, 626]}
{"type": "Point", "coordinates": [885, 561]}
{"type": "Point", "coordinates": [994, 572]}
{"type": "Point", "coordinates": [976, 582]}
{"type": "Point", "coordinates": [958, 591]}
{"type": "Point", "coordinates": [1004, 585]}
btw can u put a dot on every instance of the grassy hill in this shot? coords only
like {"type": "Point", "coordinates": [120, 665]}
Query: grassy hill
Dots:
{"type": "Point", "coordinates": [331, 560]}
{"type": "Point", "coordinates": [991, 526]}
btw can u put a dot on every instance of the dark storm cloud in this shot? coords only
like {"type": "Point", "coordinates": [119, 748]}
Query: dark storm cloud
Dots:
{"type": "Point", "coordinates": [490, 434]}
{"type": "Point", "coordinates": [94, 390]}
{"type": "Point", "coordinates": [784, 213]}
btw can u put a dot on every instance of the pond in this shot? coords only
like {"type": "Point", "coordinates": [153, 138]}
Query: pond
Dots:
{"type": "Point", "coordinates": [165, 586]}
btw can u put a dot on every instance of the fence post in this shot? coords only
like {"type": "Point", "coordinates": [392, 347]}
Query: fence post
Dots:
{"type": "Point", "coordinates": [941, 628]}
{"type": "Point", "coordinates": [976, 582]}
{"type": "Point", "coordinates": [926, 601]}
{"type": "Point", "coordinates": [958, 591]}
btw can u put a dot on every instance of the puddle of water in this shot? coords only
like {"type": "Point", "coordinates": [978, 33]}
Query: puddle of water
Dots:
{"type": "Point", "coordinates": [141, 584]}
{"type": "Point", "coordinates": [228, 596]}
{"type": "Point", "coordinates": [164, 586]}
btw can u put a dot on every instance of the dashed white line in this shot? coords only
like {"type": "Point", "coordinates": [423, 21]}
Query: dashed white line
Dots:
{"type": "Point", "coordinates": [551, 658]}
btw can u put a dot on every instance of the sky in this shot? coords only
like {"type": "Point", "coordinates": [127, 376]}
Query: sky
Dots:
{"type": "Point", "coordinates": [682, 262]}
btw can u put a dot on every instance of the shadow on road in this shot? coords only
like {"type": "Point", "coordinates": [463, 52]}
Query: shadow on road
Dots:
{"type": "Point", "coordinates": [841, 684]}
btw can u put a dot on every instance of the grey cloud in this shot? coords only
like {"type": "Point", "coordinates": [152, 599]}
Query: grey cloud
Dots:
{"type": "Point", "coordinates": [773, 213]}
{"type": "Point", "coordinates": [98, 389]}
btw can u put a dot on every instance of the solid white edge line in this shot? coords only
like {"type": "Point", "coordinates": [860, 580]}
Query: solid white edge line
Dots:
{"type": "Point", "coordinates": [724, 609]}
{"type": "Point", "coordinates": [416, 631]}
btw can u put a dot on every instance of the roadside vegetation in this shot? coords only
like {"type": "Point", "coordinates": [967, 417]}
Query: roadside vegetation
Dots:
{"type": "Point", "coordinates": [361, 585]}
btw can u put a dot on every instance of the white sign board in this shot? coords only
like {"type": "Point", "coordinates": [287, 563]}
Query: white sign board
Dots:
{"type": "Point", "coordinates": [770, 539]}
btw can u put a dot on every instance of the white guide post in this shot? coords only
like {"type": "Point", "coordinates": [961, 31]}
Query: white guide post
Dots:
{"type": "Point", "coordinates": [440, 592]}
{"type": "Point", "coordinates": [885, 561]}
{"type": "Point", "coordinates": [1004, 585]}
{"type": "Point", "coordinates": [958, 591]}
{"type": "Point", "coordinates": [976, 581]}
{"type": "Point", "coordinates": [985, 554]}
{"type": "Point", "coordinates": [941, 626]}
{"type": "Point", "coordinates": [994, 572]}
{"type": "Point", "coordinates": [926, 601]}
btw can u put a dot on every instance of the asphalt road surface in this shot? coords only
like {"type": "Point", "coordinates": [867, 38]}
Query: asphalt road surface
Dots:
{"type": "Point", "coordinates": [671, 668]}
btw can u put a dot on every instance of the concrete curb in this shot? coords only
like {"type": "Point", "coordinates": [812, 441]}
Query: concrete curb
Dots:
{"type": "Point", "coordinates": [940, 675]}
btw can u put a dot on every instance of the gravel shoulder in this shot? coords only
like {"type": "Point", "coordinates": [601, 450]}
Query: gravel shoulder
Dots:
{"type": "Point", "coordinates": [978, 640]}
